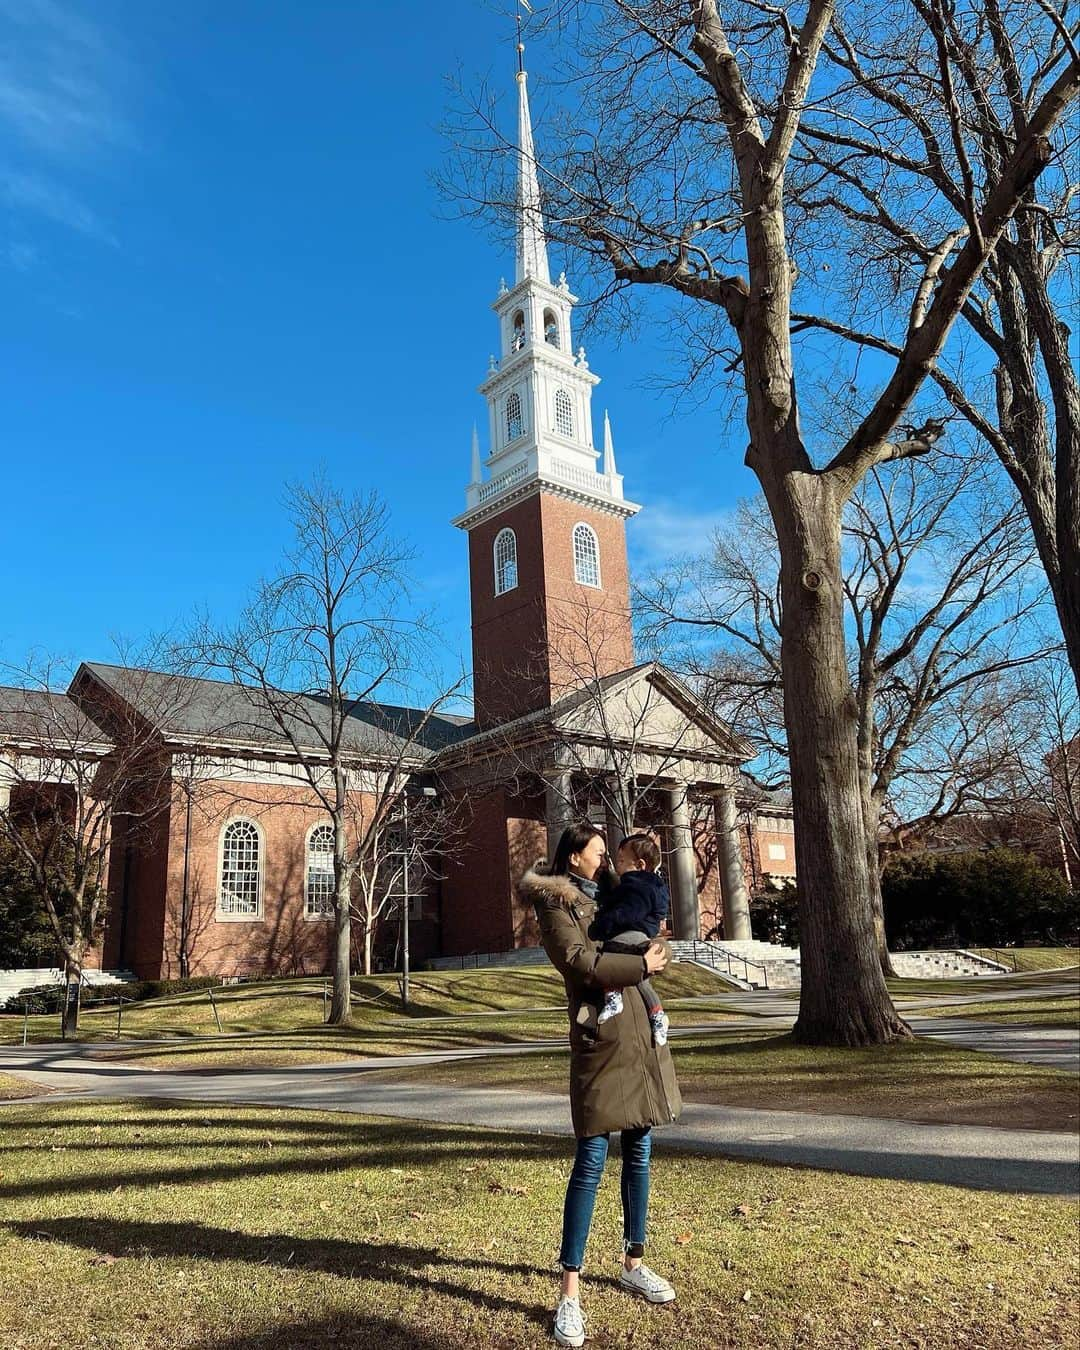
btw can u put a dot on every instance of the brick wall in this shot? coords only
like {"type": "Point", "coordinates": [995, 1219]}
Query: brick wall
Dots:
{"type": "Point", "coordinates": [532, 643]}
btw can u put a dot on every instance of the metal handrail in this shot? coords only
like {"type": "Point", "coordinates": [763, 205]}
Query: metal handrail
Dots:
{"type": "Point", "coordinates": [712, 958]}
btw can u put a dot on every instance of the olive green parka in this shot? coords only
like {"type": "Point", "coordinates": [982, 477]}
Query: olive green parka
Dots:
{"type": "Point", "coordinates": [620, 1081]}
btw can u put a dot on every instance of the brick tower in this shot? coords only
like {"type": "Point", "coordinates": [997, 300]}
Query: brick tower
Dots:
{"type": "Point", "coordinates": [547, 543]}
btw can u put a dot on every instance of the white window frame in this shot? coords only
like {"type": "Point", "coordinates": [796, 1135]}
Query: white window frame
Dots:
{"type": "Point", "coordinates": [317, 915]}
{"type": "Point", "coordinates": [512, 435]}
{"type": "Point", "coordinates": [505, 534]}
{"type": "Point", "coordinates": [229, 916]}
{"type": "Point", "coordinates": [582, 581]}
{"type": "Point", "coordinates": [564, 412]}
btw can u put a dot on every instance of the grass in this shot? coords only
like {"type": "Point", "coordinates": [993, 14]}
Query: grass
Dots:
{"type": "Point", "coordinates": [981, 984]}
{"type": "Point", "coordinates": [1031, 958]}
{"type": "Point", "coordinates": [12, 1088]}
{"type": "Point", "coordinates": [133, 1226]}
{"type": "Point", "coordinates": [280, 1022]}
{"type": "Point", "coordinates": [911, 1080]}
{"type": "Point", "coordinates": [1049, 1012]}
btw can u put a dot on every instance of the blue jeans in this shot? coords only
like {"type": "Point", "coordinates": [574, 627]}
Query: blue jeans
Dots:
{"type": "Point", "coordinates": [588, 1168]}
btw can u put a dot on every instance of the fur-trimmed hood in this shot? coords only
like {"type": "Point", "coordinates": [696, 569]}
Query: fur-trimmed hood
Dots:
{"type": "Point", "coordinates": [538, 886]}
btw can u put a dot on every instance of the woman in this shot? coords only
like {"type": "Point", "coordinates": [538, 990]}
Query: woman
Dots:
{"type": "Point", "coordinates": [619, 1081]}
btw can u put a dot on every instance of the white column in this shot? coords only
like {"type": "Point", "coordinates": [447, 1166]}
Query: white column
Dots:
{"type": "Point", "coordinates": [557, 807]}
{"type": "Point", "coordinates": [686, 912]}
{"type": "Point", "coordinates": [732, 882]}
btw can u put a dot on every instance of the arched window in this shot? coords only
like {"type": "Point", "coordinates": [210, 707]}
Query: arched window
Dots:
{"type": "Point", "coordinates": [517, 337]}
{"type": "Point", "coordinates": [515, 424]}
{"type": "Point", "coordinates": [506, 576]}
{"type": "Point", "coordinates": [241, 869]}
{"type": "Point", "coordinates": [586, 555]}
{"type": "Point", "coordinates": [564, 413]}
{"type": "Point", "coordinates": [551, 328]}
{"type": "Point", "coordinates": [320, 872]}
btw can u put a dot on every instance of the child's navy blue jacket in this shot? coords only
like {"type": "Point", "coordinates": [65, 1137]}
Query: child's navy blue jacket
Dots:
{"type": "Point", "coordinates": [639, 902]}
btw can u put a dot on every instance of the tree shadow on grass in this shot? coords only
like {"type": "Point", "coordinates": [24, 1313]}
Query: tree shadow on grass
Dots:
{"type": "Point", "coordinates": [353, 1330]}
{"type": "Point", "coordinates": [387, 1263]}
{"type": "Point", "coordinates": [231, 1155]}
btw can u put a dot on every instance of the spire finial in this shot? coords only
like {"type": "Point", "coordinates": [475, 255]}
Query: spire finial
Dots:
{"type": "Point", "coordinates": [609, 446]}
{"type": "Point", "coordinates": [532, 258]}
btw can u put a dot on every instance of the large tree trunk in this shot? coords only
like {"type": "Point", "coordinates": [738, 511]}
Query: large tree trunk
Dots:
{"type": "Point", "coordinates": [844, 999]}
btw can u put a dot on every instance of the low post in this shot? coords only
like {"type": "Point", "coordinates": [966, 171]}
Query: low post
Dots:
{"type": "Point", "coordinates": [213, 1005]}
{"type": "Point", "coordinates": [119, 1015]}
{"type": "Point", "coordinates": [25, 1020]}
{"type": "Point", "coordinates": [325, 1011]}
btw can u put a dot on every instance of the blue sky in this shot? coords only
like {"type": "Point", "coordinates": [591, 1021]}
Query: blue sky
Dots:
{"type": "Point", "coordinates": [222, 264]}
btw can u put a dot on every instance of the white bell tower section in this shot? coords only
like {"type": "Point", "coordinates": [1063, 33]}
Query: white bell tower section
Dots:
{"type": "Point", "coordinates": [538, 390]}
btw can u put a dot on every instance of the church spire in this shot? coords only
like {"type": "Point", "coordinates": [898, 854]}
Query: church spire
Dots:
{"type": "Point", "coordinates": [532, 258]}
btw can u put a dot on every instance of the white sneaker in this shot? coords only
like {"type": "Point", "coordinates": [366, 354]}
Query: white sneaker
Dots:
{"type": "Point", "coordinates": [612, 1006]}
{"type": "Point", "coordinates": [570, 1322]}
{"type": "Point", "coordinates": [641, 1280]}
{"type": "Point", "coordinates": [660, 1026]}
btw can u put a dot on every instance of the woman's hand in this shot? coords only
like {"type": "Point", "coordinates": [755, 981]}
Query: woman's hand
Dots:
{"type": "Point", "coordinates": [656, 958]}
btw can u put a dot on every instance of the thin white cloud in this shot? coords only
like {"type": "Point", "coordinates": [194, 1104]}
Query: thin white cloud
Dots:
{"type": "Point", "coordinates": [668, 530]}
{"type": "Point", "coordinates": [61, 116]}
{"type": "Point", "coordinates": [31, 192]}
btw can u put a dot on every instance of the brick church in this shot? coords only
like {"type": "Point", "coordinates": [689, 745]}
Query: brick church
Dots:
{"type": "Point", "coordinates": [232, 873]}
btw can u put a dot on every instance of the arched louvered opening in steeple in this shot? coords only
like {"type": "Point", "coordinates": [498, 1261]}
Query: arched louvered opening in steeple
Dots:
{"type": "Point", "coordinates": [517, 331]}
{"type": "Point", "coordinates": [551, 328]}
{"type": "Point", "coordinates": [564, 413]}
{"type": "Point", "coordinates": [515, 422]}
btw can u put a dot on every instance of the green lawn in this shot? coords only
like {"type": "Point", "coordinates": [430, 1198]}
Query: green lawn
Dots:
{"type": "Point", "coordinates": [1020, 983]}
{"type": "Point", "coordinates": [12, 1088]}
{"type": "Point", "coordinates": [281, 1021]}
{"type": "Point", "coordinates": [1031, 958]}
{"type": "Point", "coordinates": [163, 1226]}
{"type": "Point", "coordinates": [1049, 1012]}
{"type": "Point", "coordinates": [911, 1080]}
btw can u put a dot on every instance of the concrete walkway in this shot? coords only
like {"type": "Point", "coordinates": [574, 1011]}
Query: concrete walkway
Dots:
{"type": "Point", "coordinates": [975, 1156]}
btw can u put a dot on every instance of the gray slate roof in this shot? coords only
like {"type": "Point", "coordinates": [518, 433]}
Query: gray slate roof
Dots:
{"type": "Point", "coordinates": [41, 717]}
{"type": "Point", "coordinates": [189, 708]}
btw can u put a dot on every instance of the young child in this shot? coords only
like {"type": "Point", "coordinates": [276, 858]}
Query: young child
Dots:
{"type": "Point", "coordinates": [628, 921]}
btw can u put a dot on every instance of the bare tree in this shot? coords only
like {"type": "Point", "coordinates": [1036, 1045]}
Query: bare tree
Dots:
{"type": "Point", "coordinates": [676, 177]}
{"type": "Point", "coordinates": [318, 646]}
{"type": "Point", "coordinates": [71, 767]}
{"type": "Point", "coordinates": [940, 601]}
{"type": "Point", "coordinates": [892, 168]}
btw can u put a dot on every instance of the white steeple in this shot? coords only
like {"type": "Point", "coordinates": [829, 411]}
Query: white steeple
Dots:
{"type": "Point", "coordinates": [539, 394]}
{"type": "Point", "coordinates": [532, 260]}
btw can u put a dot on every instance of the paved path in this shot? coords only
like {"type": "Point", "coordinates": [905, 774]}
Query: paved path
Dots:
{"type": "Point", "coordinates": [976, 1156]}
{"type": "Point", "coordinates": [1057, 1047]}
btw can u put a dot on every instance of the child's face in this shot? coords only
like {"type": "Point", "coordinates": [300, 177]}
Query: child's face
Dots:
{"type": "Point", "coordinates": [626, 862]}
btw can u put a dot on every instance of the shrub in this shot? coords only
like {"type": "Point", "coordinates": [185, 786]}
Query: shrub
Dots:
{"type": "Point", "coordinates": [997, 898]}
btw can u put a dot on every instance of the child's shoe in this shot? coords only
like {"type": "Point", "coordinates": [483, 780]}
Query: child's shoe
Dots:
{"type": "Point", "coordinates": [660, 1024]}
{"type": "Point", "coordinates": [612, 1006]}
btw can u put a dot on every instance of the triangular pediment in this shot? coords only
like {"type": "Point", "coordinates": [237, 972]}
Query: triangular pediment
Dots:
{"type": "Point", "coordinates": [650, 708]}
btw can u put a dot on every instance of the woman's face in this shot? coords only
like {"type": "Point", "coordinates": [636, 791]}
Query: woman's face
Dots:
{"type": "Point", "coordinates": [589, 861]}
